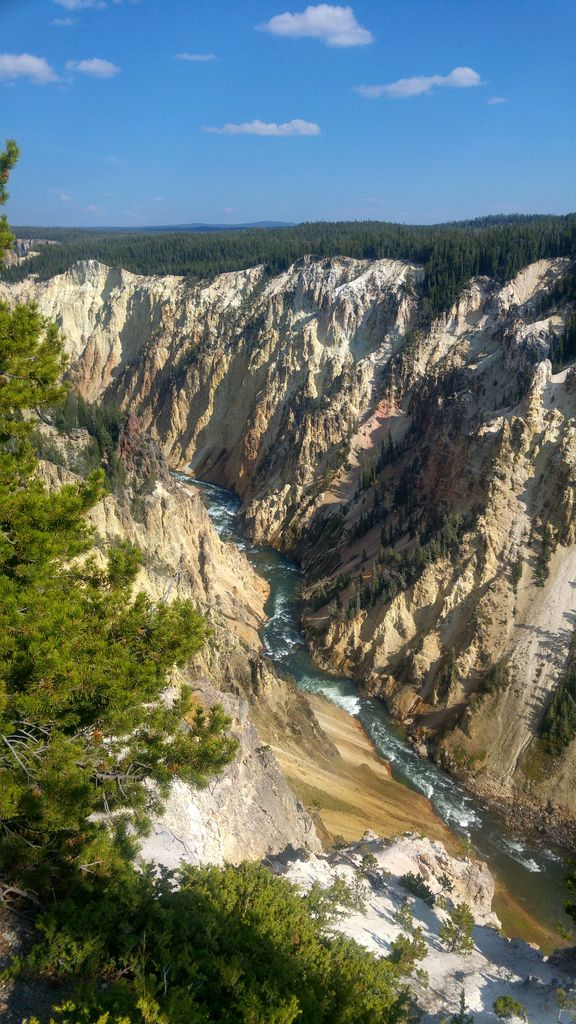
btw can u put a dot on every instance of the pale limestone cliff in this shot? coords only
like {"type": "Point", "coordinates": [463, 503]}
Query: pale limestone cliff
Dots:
{"type": "Point", "coordinates": [248, 811]}
{"type": "Point", "coordinates": [353, 431]}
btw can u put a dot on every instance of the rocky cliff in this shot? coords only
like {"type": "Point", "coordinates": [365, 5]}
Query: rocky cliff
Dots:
{"type": "Point", "coordinates": [248, 811]}
{"type": "Point", "coordinates": [422, 472]}
{"type": "Point", "coordinates": [257, 383]}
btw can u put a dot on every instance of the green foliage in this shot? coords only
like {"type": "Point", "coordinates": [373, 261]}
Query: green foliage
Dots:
{"type": "Point", "coordinates": [496, 679]}
{"type": "Point", "coordinates": [547, 544]}
{"type": "Point", "coordinates": [368, 864]}
{"type": "Point", "coordinates": [404, 915]}
{"type": "Point", "coordinates": [506, 1007]}
{"type": "Point", "coordinates": [456, 932]}
{"type": "Point", "coordinates": [31, 360]}
{"type": "Point", "coordinates": [462, 1017]}
{"type": "Point", "coordinates": [103, 424]}
{"type": "Point", "coordinates": [83, 661]}
{"type": "Point", "coordinates": [416, 885]}
{"type": "Point", "coordinates": [450, 253]}
{"type": "Point", "coordinates": [446, 883]}
{"type": "Point", "coordinates": [230, 945]}
{"type": "Point", "coordinates": [327, 904]}
{"type": "Point", "coordinates": [516, 572]}
{"type": "Point", "coordinates": [82, 665]}
{"type": "Point", "coordinates": [407, 950]}
{"type": "Point", "coordinates": [563, 347]}
{"type": "Point", "coordinates": [558, 727]}
{"type": "Point", "coordinates": [396, 570]}
{"type": "Point", "coordinates": [8, 157]}
{"type": "Point", "coordinates": [71, 1012]}
{"type": "Point", "coordinates": [410, 946]}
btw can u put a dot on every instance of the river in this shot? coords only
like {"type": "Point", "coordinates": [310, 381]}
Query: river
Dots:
{"type": "Point", "coordinates": [533, 875]}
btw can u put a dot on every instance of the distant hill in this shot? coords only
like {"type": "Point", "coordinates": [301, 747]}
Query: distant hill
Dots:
{"type": "Point", "coordinates": [32, 232]}
{"type": "Point", "coordinates": [450, 254]}
{"type": "Point", "coordinates": [220, 227]}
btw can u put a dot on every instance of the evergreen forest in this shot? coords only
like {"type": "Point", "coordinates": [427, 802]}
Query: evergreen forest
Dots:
{"type": "Point", "coordinates": [450, 254]}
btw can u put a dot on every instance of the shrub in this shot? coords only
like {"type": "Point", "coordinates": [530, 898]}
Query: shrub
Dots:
{"type": "Point", "coordinates": [456, 932]}
{"type": "Point", "coordinates": [506, 1007]}
{"type": "Point", "coordinates": [416, 885]}
{"type": "Point", "coordinates": [205, 945]}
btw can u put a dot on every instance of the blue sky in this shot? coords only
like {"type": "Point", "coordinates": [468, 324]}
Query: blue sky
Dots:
{"type": "Point", "coordinates": [175, 111]}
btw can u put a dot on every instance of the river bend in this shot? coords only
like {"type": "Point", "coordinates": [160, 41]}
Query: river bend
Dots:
{"type": "Point", "coordinates": [533, 875]}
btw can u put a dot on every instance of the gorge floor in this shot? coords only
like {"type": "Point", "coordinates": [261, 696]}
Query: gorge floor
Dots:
{"type": "Point", "coordinates": [388, 787]}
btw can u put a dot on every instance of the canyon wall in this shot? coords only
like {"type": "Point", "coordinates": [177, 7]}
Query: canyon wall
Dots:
{"type": "Point", "coordinates": [248, 811]}
{"type": "Point", "coordinates": [423, 473]}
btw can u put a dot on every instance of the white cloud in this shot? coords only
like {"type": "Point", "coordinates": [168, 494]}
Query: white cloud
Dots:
{"type": "Point", "coordinates": [63, 22]}
{"type": "Point", "coordinates": [81, 5]}
{"type": "Point", "coordinates": [459, 78]}
{"type": "Point", "coordinates": [295, 127]}
{"type": "Point", "coordinates": [492, 101]}
{"type": "Point", "coordinates": [65, 197]}
{"type": "Point", "coordinates": [95, 67]}
{"type": "Point", "coordinates": [199, 58]}
{"type": "Point", "coordinates": [335, 26]}
{"type": "Point", "coordinates": [24, 65]}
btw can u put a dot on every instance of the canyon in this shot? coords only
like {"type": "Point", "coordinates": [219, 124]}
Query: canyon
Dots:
{"type": "Point", "coordinates": [357, 436]}
{"type": "Point", "coordinates": [422, 473]}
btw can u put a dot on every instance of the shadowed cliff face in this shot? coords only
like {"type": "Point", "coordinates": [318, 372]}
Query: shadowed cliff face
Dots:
{"type": "Point", "coordinates": [258, 383]}
{"type": "Point", "coordinates": [249, 810]}
{"type": "Point", "coordinates": [423, 475]}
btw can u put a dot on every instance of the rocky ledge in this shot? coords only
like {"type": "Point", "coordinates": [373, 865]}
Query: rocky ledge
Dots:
{"type": "Point", "coordinates": [496, 966]}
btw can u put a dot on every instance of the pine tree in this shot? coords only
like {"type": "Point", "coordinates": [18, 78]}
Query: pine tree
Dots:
{"type": "Point", "coordinates": [456, 932]}
{"type": "Point", "coordinates": [83, 660]}
{"type": "Point", "coordinates": [507, 1008]}
{"type": "Point", "coordinates": [8, 158]}
{"type": "Point", "coordinates": [462, 1017]}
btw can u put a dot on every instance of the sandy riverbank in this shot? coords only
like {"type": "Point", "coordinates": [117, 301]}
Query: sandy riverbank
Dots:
{"type": "Point", "coordinates": [354, 791]}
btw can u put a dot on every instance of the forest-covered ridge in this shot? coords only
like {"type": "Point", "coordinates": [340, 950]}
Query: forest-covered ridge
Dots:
{"type": "Point", "coordinates": [452, 253]}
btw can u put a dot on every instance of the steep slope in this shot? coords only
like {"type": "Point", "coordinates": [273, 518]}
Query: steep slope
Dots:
{"type": "Point", "coordinates": [248, 811]}
{"type": "Point", "coordinates": [423, 474]}
{"type": "Point", "coordinates": [495, 967]}
{"type": "Point", "coordinates": [256, 382]}
{"type": "Point", "coordinates": [455, 597]}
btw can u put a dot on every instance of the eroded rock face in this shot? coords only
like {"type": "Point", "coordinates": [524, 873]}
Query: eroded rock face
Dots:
{"type": "Point", "coordinates": [253, 381]}
{"type": "Point", "coordinates": [424, 475]}
{"type": "Point", "coordinates": [248, 811]}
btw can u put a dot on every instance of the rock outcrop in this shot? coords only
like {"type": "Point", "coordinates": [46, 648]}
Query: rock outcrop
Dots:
{"type": "Point", "coordinates": [245, 813]}
{"type": "Point", "coordinates": [496, 966]}
{"type": "Point", "coordinates": [255, 382]}
{"type": "Point", "coordinates": [248, 811]}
